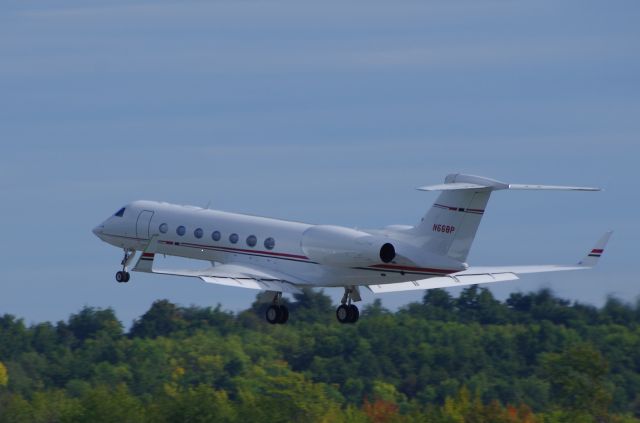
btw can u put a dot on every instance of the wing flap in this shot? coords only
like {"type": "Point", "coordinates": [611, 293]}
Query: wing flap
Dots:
{"type": "Point", "coordinates": [442, 282]}
{"type": "Point", "coordinates": [263, 284]}
{"type": "Point", "coordinates": [237, 276]}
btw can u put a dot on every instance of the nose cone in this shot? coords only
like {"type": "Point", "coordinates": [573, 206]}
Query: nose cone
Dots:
{"type": "Point", "coordinates": [97, 231]}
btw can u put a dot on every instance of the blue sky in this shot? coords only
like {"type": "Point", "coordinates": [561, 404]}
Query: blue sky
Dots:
{"type": "Point", "coordinates": [327, 112]}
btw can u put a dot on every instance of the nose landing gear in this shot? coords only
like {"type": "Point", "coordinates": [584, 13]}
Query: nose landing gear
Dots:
{"type": "Point", "coordinates": [122, 276]}
{"type": "Point", "coordinates": [347, 312]}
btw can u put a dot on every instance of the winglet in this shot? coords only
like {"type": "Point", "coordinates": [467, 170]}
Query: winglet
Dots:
{"type": "Point", "coordinates": [591, 259]}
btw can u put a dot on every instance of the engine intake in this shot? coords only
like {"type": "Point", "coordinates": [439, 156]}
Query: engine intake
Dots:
{"type": "Point", "coordinates": [387, 253]}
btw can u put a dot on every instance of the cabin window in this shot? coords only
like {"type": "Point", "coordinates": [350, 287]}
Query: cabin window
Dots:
{"type": "Point", "coordinates": [181, 230]}
{"type": "Point", "coordinates": [120, 212]}
{"type": "Point", "coordinates": [269, 243]}
{"type": "Point", "coordinates": [252, 240]}
{"type": "Point", "coordinates": [215, 236]}
{"type": "Point", "coordinates": [233, 238]}
{"type": "Point", "coordinates": [164, 228]}
{"type": "Point", "coordinates": [198, 233]}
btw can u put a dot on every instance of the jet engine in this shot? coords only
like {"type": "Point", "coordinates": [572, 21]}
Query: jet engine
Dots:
{"type": "Point", "coordinates": [338, 246]}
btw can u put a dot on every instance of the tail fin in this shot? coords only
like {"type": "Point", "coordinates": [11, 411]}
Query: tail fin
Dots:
{"type": "Point", "coordinates": [450, 226]}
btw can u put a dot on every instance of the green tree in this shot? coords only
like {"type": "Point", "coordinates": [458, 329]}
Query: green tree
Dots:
{"type": "Point", "coordinates": [438, 304]}
{"type": "Point", "coordinates": [478, 304]}
{"type": "Point", "coordinates": [44, 338]}
{"type": "Point", "coordinates": [4, 376]}
{"type": "Point", "coordinates": [90, 322]}
{"type": "Point", "coordinates": [55, 406]}
{"type": "Point", "coordinates": [275, 393]}
{"type": "Point", "coordinates": [578, 379]}
{"type": "Point", "coordinates": [105, 405]}
{"type": "Point", "coordinates": [15, 409]}
{"type": "Point", "coordinates": [615, 311]}
{"type": "Point", "coordinates": [162, 319]}
{"type": "Point", "coordinates": [311, 306]}
{"type": "Point", "coordinates": [14, 337]}
{"type": "Point", "coordinates": [206, 317]}
{"type": "Point", "coordinates": [375, 309]}
{"type": "Point", "coordinates": [196, 404]}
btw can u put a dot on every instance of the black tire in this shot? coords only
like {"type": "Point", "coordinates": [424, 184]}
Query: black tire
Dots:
{"type": "Point", "coordinates": [127, 276]}
{"type": "Point", "coordinates": [342, 313]}
{"type": "Point", "coordinates": [273, 314]}
{"type": "Point", "coordinates": [120, 276]}
{"type": "Point", "coordinates": [284, 315]}
{"type": "Point", "coordinates": [353, 312]}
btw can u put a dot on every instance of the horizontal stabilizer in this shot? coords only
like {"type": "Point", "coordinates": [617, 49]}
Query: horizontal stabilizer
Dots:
{"type": "Point", "coordinates": [460, 181]}
{"type": "Point", "coordinates": [452, 186]}
{"type": "Point", "coordinates": [551, 187]}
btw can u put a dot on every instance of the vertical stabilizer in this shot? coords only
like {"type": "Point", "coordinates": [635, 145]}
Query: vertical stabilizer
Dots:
{"type": "Point", "coordinates": [450, 226]}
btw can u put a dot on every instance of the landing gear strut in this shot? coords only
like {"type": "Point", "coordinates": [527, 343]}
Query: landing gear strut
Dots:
{"type": "Point", "coordinates": [347, 312]}
{"type": "Point", "coordinates": [122, 276]}
{"type": "Point", "coordinates": [277, 313]}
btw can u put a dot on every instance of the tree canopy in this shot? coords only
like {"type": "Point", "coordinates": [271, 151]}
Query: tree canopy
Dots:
{"type": "Point", "coordinates": [471, 358]}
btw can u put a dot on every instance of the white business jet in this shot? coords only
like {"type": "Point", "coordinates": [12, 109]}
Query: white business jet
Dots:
{"type": "Point", "coordinates": [283, 256]}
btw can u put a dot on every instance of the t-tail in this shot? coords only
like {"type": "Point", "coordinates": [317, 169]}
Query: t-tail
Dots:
{"type": "Point", "coordinates": [450, 225]}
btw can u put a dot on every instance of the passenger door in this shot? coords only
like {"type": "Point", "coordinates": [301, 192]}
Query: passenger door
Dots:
{"type": "Point", "coordinates": [143, 224]}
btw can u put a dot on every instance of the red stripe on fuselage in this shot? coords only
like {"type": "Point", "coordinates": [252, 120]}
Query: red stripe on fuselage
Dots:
{"type": "Point", "coordinates": [459, 209]}
{"type": "Point", "coordinates": [243, 250]}
{"type": "Point", "coordinates": [300, 257]}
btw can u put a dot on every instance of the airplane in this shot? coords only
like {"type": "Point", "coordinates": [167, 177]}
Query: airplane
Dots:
{"type": "Point", "coordinates": [285, 256]}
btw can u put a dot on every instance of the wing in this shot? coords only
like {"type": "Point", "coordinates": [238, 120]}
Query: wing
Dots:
{"type": "Point", "coordinates": [237, 275]}
{"type": "Point", "coordinates": [482, 275]}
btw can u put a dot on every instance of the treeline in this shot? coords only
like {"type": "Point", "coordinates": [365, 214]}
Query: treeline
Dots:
{"type": "Point", "coordinates": [531, 358]}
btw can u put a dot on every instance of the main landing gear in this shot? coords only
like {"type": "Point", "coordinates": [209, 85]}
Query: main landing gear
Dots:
{"type": "Point", "coordinates": [122, 276]}
{"type": "Point", "coordinates": [277, 313]}
{"type": "Point", "coordinates": [347, 312]}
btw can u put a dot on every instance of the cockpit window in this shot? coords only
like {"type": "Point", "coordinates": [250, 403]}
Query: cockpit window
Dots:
{"type": "Point", "coordinates": [120, 212]}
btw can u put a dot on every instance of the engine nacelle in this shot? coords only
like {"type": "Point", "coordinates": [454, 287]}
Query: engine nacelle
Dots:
{"type": "Point", "coordinates": [338, 246]}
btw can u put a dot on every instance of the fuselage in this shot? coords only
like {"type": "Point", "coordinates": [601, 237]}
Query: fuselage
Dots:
{"type": "Point", "coordinates": [222, 237]}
